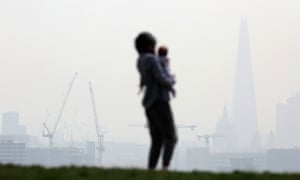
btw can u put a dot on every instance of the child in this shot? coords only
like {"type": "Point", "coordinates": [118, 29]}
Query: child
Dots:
{"type": "Point", "coordinates": [165, 63]}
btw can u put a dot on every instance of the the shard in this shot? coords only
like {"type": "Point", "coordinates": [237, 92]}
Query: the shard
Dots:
{"type": "Point", "coordinates": [244, 115]}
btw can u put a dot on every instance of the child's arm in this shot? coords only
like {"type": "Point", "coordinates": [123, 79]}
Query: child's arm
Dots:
{"type": "Point", "coordinates": [173, 92]}
{"type": "Point", "coordinates": [172, 89]}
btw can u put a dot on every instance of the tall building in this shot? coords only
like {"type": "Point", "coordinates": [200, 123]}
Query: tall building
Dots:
{"type": "Point", "coordinates": [287, 123]}
{"type": "Point", "coordinates": [244, 116]}
{"type": "Point", "coordinates": [10, 124]}
{"type": "Point", "coordinates": [91, 151]}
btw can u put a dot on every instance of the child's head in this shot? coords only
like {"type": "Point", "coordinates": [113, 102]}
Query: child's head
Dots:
{"type": "Point", "coordinates": [162, 51]}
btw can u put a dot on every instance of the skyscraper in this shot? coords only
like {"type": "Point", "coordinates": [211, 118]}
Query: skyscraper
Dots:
{"type": "Point", "coordinates": [10, 124]}
{"type": "Point", "coordinates": [244, 116]}
{"type": "Point", "coordinates": [287, 123]}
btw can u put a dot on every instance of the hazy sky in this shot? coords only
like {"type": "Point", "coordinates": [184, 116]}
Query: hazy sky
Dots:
{"type": "Point", "coordinates": [42, 43]}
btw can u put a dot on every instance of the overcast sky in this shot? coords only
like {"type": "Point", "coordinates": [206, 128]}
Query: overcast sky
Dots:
{"type": "Point", "coordinates": [42, 43]}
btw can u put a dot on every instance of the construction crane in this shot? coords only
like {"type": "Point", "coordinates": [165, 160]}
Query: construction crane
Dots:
{"type": "Point", "coordinates": [183, 126]}
{"type": "Point", "coordinates": [208, 137]}
{"type": "Point", "coordinates": [50, 134]}
{"type": "Point", "coordinates": [100, 136]}
{"type": "Point", "coordinates": [180, 126]}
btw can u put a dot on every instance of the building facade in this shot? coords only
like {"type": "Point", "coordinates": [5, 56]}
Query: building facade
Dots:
{"type": "Point", "coordinates": [288, 123]}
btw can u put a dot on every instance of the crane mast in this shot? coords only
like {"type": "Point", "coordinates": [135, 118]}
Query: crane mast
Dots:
{"type": "Point", "coordinates": [49, 134]}
{"type": "Point", "coordinates": [100, 136]}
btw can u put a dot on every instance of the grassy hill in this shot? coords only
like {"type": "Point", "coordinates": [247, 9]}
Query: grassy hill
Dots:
{"type": "Point", "coordinates": [11, 172]}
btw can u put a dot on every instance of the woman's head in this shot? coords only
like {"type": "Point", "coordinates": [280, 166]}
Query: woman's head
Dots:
{"type": "Point", "coordinates": [145, 42]}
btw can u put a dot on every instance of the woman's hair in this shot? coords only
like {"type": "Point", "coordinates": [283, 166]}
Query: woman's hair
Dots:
{"type": "Point", "coordinates": [143, 41]}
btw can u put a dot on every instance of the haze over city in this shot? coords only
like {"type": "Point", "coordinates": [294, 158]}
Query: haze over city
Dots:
{"type": "Point", "coordinates": [43, 43]}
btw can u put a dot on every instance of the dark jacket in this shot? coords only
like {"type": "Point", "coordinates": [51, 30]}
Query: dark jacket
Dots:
{"type": "Point", "coordinates": [156, 81]}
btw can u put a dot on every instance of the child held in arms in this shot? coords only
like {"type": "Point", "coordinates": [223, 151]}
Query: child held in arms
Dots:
{"type": "Point", "coordinates": [165, 63]}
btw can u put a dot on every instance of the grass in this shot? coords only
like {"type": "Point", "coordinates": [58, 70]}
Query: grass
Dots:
{"type": "Point", "coordinates": [12, 172]}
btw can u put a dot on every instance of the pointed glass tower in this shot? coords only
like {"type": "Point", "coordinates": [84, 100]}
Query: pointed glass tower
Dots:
{"type": "Point", "coordinates": [244, 116]}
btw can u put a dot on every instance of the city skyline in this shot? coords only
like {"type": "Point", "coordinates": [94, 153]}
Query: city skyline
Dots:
{"type": "Point", "coordinates": [236, 64]}
{"type": "Point", "coordinates": [43, 44]}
